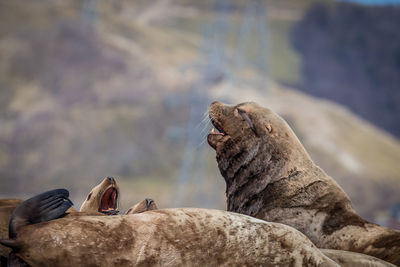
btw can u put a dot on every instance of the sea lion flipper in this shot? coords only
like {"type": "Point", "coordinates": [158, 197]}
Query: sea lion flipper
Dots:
{"type": "Point", "coordinates": [11, 243]}
{"type": "Point", "coordinates": [47, 206]}
{"type": "Point", "coordinates": [55, 210]}
{"type": "Point", "coordinates": [54, 204]}
{"type": "Point", "coordinates": [15, 261]}
{"type": "Point", "coordinates": [50, 195]}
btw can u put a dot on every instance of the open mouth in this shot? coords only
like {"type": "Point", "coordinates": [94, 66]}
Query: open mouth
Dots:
{"type": "Point", "coordinates": [216, 135]}
{"type": "Point", "coordinates": [109, 200]}
{"type": "Point", "coordinates": [218, 127]}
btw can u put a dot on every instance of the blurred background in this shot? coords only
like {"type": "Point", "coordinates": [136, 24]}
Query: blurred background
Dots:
{"type": "Point", "coordinates": [121, 88]}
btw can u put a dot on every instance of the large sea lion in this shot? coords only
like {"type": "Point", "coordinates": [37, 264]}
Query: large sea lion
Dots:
{"type": "Point", "coordinates": [270, 176]}
{"type": "Point", "coordinates": [177, 237]}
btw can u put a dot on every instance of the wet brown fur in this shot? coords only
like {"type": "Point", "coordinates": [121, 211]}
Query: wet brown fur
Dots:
{"type": "Point", "coordinates": [269, 175]}
{"type": "Point", "coordinates": [353, 259]}
{"type": "Point", "coordinates": [172, 237]}
{"type": "Point", "coordinates": [7, 206]}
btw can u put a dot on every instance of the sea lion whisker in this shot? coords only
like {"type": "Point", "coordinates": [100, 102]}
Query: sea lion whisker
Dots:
{"type": "Point", "coordinates": [201, 143]}
{"type": "Point", "coordinates": [206, 129]}
{"type": "Point", "coordinates": [204, 117]}
{"type": "Point", "coordinates": [204, 121]}
{"type": "Point", "coordinates": [204, 133]}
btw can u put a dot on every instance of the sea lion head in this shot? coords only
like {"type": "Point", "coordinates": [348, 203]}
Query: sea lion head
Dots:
{"type": "Point", "coordinates": [142, 206]}
{"type": "Point", "coordinates": [103, 197]}
{"type": "Point", "coordinates": [253, 140]}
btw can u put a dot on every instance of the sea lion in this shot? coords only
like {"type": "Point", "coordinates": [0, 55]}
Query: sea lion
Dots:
{"type": "Point", "coordinates": [186, 236]}
{"type": "Point", "coordinates": [98, 202]}
{"type": "Point", "coordinates": [270, 176]}
{"type": "Point", "coordinates": [102, 198]}
{"type": "Point", "coordinates": [144, 205]}
{"type": "Point", "coordinates": [343, 258]}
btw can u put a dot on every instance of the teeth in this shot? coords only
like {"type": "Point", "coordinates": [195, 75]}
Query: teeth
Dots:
{"type": "Point", "coordinates": [213, 131]}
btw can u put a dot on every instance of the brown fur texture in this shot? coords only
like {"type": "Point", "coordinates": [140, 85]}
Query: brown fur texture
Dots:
{"type": "Point", "coordinates": [172, 237]}
{"type": "Point", "coordinates": [7, 206]}
{"type": "Point", "coordinates": [269, 175]}
{"type": "Point", "coordinates": [354, 259]}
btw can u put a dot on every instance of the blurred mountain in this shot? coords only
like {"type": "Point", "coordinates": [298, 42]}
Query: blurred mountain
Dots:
{"type": "Point", "coordinates": [351, 55]}
{"type": "Point", "coordinates": [97, 88]}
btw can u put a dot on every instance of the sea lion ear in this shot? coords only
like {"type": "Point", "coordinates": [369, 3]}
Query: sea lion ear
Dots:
{"type": "Point", "coordinates": [268, 127]}
{"type": "Point", "coordinates": [41, 208]}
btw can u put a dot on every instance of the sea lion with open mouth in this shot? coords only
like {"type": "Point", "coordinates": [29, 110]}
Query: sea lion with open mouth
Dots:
{"type": "Point", "coordinates": [269, 175]}
{"type": "Point", "coordinates": [42, 235]}
{"type": "Point", "coordinates": [103, 198]}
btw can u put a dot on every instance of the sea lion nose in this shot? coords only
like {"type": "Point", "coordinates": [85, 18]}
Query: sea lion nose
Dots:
{"type": "Point", "coordinates": [111, 179]}
{"type": "Point", "coordinates": [149, 201]}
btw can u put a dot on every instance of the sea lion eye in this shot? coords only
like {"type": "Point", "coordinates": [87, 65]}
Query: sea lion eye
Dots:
{"type": "Point", "coordinates": [89, 196]}
{"type": "Point", "coordinates": [246, 118]}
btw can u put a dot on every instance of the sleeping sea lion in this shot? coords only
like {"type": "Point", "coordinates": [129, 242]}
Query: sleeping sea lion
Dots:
{"type": "Point", "coordinates": [269, 175]}
{"type": "Point", "coordinates": [41, 235]}
{"type": "Point", "coordinates": [343, 258]}
{"type": "Point", "coordinates": [144, 205]}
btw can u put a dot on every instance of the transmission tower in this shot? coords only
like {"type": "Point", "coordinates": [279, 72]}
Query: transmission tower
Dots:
{"type": "Point", "coordinates": [218, 65]}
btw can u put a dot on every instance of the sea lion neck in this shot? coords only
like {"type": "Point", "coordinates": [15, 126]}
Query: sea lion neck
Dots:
{"type": "Point", "coordinates": [252, 170]}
